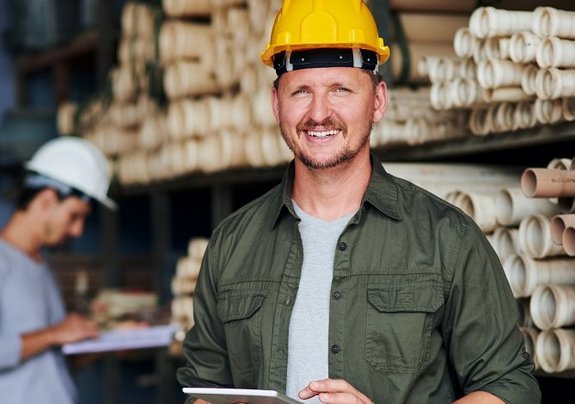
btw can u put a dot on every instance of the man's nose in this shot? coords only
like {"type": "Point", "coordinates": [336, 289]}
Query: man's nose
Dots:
{"type": "Point", "coordinates": [320, 108]}
{"type": "Point", "coordinates": [76, 229]}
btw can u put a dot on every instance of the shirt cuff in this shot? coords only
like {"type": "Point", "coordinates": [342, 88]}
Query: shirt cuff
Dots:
{"type": "Point", "coordinates": [10, 348]}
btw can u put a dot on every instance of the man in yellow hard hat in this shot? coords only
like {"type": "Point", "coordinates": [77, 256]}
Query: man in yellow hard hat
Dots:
{"type": "Point", "coordinates": [62, 179]}
{"type": "Point", "coordinates": [345, 284]}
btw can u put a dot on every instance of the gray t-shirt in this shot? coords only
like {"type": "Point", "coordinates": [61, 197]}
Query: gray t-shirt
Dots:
{"type": "Point", "coordinates": [308, 330]}
{"type": "Point", "coordinates": [29, 300]}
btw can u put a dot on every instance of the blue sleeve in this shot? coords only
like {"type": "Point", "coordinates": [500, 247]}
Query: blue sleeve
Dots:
{"type": "Point", "coordinates": [10, 342]}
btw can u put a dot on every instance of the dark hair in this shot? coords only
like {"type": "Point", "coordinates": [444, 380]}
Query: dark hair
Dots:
{"type": "Point", "coordinates": [32, 184]}
{"type": "Point", "coordinates": [375, 76]}
{"type": "Point", "coordinates": [27, 195]}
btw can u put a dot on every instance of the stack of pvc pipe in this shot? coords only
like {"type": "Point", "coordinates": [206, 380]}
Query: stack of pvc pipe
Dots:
{"type": "Point", "coordinates": [65, 117]}
{"type": "Point", "coordinates": [191, 85]}
{"type": "Point", "coordinates": [446, 6]}
{"type": "Point", "coordinates": [554, 350]}
{"type": "Point", "coordinates": [427, 36]}
{"type": "Point", "coordinates": [501, 209]}
{"type": "Point", "coordinates": [552, 310]}
{"type": "Point", "coordinates": [184, 282]}
{"type": "Point", "coordinates": [218, 115]}
{"type": "Point", "coordinates": [136, 49]}
{"type": "Point", "coordinates": [530, 335]}
{"type": "Point", "coordinates": [117, 124]}
{"type": "Point", "coordinates": [559, 185]}
{"type": "Point", "coordinates": [411, 120]}
{"type": "Point", "coordinates": [532, 262]}
{"type": "Point", "coordinates": [541, 272]}
{"type": "Point", "coordinates": [493, 197]}
{"type": "Point", "coordinates": [112, 120]}
{"type": "Point", "coordinates": [523, 72]}
{"type": "Point", "coordinates": [442, 179]}
{"type": "Point", "coordinates": [116, 131]}
{"type": "Point", "coordinates": [188, 70]}
{"type": "Point", "coordinates": [537, 258]}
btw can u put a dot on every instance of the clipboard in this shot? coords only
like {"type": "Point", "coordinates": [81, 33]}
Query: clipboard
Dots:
{"type": "Point", "coordinates": [137, 338]}
{"type": "Point", "coordinates": [216, 395]}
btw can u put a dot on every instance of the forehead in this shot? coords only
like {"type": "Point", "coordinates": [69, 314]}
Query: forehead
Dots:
{"type": "Point", "coordinates": [325, 76]}
{"type": "Point", "coordinates": [73, 204]}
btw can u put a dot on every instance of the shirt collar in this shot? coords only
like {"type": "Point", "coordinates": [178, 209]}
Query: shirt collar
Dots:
{"type": "Point", "coordinates": [382, 193]}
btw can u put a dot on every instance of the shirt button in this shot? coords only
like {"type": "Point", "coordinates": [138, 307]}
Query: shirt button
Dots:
{"type": "Point", "coordinates": [335, 348]}
{"type": "Point", "coordinates": [337, 295]}
{"type": "Point", "coordinates": [342, 246]}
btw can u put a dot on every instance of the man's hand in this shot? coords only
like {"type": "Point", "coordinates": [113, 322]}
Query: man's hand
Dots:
{"type": "Point", "coordinates": [480, 397]}
{"type": "Point", "coordinates": [74, 328]}
{"type": "Point", "coordinates": [334, 391]}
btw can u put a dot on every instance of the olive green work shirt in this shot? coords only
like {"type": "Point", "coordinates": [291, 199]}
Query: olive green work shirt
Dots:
{"type": "Point", "coordinates": [420, 308]}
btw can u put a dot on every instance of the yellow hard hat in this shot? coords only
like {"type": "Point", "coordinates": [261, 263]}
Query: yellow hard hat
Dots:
{"type": "Point", "coordinates": [303, 25]}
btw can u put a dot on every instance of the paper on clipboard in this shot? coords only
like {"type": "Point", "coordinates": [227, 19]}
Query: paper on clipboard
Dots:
{"type": "Point", "coordinates": [137, 338]}
{"type": "Point", "coordinates": [232, 396]}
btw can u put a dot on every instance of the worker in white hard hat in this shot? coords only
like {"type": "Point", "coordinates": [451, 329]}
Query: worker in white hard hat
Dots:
{"type": "Point", "coordinates": [62, 179]}
{"type": "Point", "coordinates": [345, 284]}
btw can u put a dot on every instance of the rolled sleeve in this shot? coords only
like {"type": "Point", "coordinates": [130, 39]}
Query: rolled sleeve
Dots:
{"type": "Point", "coordinates": [10, 348]}
{"type": "Point", "coordinates": [207, 363]}
{"type": "Point", "coordinates": [485, 344]}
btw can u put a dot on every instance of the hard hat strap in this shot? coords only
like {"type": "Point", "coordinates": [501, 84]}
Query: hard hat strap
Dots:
{"type": "Point", "coordinates": [38, 181]}
{"type": "Point", "coordinates": [325, 57]}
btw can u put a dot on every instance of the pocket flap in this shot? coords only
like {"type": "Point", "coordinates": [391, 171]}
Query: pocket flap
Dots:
{"type": "Point", "coordinates": [238, 307]}
{"type": "Point", "coordinates": [406, 297]}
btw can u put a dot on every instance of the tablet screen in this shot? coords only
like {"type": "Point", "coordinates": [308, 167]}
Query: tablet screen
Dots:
{"type": "Point", "coordinates": [232, 396]}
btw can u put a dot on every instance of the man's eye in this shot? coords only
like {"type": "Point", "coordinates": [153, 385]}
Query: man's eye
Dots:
{"type": "Point", "coordinates": [342, 90]}
{"type": "Point", "coordinates": [300, 91]}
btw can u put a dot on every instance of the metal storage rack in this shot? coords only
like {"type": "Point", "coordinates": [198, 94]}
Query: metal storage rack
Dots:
{"type": "Point", "coordinates": [226, 191]}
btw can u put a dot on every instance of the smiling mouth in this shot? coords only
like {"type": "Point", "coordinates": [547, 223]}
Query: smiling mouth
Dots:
{"type": "Point", "coordinates": [320, 134]}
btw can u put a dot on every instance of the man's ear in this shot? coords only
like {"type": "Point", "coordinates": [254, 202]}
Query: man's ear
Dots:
{"type": "Point", "coordinates": [275, 103]}
{"type": "Point", "coordinates": [380, 101]}
{"type": "Point", "coordinates": [45, 199]}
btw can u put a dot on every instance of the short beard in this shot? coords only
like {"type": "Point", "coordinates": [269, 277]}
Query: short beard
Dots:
{"type": "Point", "coordinates": [343, 157]}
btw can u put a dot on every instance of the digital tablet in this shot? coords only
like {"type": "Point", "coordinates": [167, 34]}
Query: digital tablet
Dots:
{"type": "Point", "coordinates": [232, 396]}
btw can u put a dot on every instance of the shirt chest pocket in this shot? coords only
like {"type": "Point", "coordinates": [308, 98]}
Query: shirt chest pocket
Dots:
{"type": "Point", "coordinates": [240, 313]}
{"type": "Point", "coordinates": [399, 325]}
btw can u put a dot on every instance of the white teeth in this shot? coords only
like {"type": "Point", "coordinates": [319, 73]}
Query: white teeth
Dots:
{"type": "Point", "coordinates": [321, 134]}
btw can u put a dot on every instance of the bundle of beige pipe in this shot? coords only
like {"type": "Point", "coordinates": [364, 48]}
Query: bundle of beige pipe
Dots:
{"type": "Point", "coordinates": [218, 115]}
{"type": "Point", "coordinates": [542, 271]}
{"type": "Point", "coordinates": [514, 70]}
{"type": "Point", "coordinates": [184, 283]}
{"type": "Point", "coordinates": [559, 185]}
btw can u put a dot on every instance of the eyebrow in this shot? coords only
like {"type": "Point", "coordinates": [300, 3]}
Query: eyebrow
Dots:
{"type": "Point", "coordinates": [339, 83]}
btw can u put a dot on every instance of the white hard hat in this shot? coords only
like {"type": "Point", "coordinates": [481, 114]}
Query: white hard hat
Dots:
{"type": "Point", "coordinates": [77, 163]}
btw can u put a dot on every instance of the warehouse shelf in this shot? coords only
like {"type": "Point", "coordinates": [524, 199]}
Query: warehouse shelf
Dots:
{"type": "Point", "coordinates": [567, 374]}
{"type": "Point", "coordinates": [83, 44]}
{"type": "Point", "coordinates": [225, 191]}
{"type": "Point", "coordinates": [533, 139]}
{"type": "Point", "coordinates": [547, 135]}
{"type": "Point", "coordinates": [93, 49]}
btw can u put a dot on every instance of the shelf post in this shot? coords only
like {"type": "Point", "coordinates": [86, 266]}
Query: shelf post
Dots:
{"type": "Point", "coordinates": [221, 203]}
{"type": "Point", "coordinates": [106, 47]}
{"type": "Point", "coordinates": [161, 240]}
{"type": "Point", "coordinates": [382, 15]}
{"type": "Point", "coordinates": [110, 246]}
